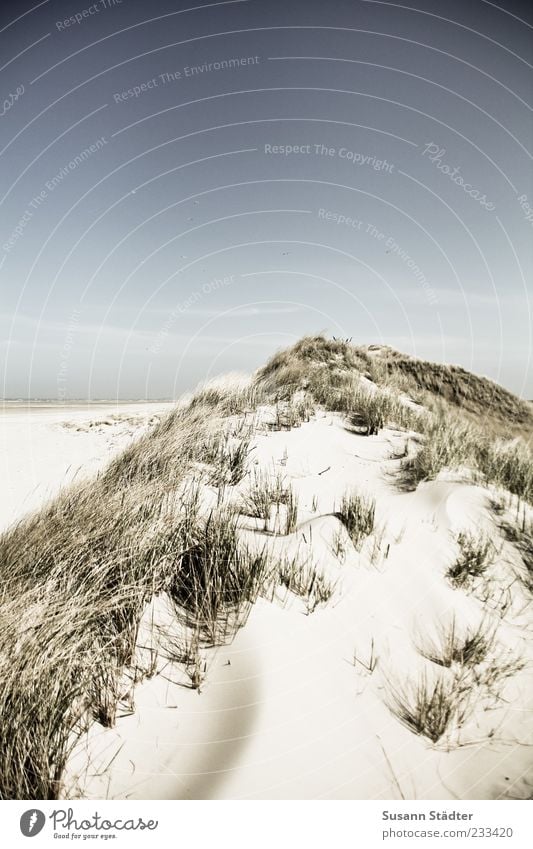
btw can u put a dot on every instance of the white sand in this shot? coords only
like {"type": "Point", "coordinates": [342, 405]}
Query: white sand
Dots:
{"type": "Point", "coordinates": [289, 709]}
{"type": "Point", "coordinates": [45, 446]}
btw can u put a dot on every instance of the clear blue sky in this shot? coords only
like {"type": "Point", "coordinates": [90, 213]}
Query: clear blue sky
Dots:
{"type": "Point", "coordinates": [187, 187]}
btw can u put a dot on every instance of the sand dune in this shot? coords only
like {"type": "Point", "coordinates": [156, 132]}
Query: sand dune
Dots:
{"type": "Point", "coordinates": [306, 585]}
{"type": "Point", "coordinates": [290, 709]}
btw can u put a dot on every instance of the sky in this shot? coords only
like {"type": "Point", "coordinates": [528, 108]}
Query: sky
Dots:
{"type": "Point", "coordinates": [186, 187]}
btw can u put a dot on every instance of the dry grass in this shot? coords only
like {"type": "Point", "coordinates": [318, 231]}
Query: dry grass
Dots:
{"type": "Point", "coordinates": [462, 391]}
{"type": "Point", "coordinates": [291, 413]}
{"type": "Point", "coordinates": [305, 580]}
{"type": "Point", "coordinates": [357, 514]}
{"type": "Point", "coordinates": [271, 499]}
{"type": "Point", "coordinates": [216, 578]}
{"type": "Point", "coordinates": [370, 411]}
{"type": "Point", "coordinates": [228, 457]}
{"type": "Point", "coordinates": [77, 576]}
{"type": "Point", "coordinates": [186, 650]}
{"type": "Point", "coordinates": [521, 536]}
{"type": "Point", "coordinates": [475, 671]}
{"type": "Point", "coordinates": [453, 647]}
{"type": "Point", "coordinates": [312, 364]}
{"type": "Point", "coordinates": [430, 708]}
{"type": "Point", "coordinates": [475, 556]}
{"type": "Point", "coordinates": [515, 520]}
{"type": "Point", "coordinates": [330, 371]}
{"type": "Point", "coordinates": [449, 442]}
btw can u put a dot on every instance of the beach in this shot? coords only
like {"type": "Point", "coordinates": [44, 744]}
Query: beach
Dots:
{"type": "Point", "coordinates": [45, 446]}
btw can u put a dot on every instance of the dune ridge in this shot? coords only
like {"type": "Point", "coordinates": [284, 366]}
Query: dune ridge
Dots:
{"type": "Point", "coordinates": [316, 583]}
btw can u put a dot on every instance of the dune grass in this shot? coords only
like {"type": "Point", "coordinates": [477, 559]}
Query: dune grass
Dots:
{"type": "Point", "coordinates": [291, 413]}
{"type": "Point", "coordinates": [474, 671]}
{"type": "Point", "coordinates": [476, 553]}
{"type": "Point", "coordinates": [357, 513]}
{"type": "Point", "coordinates": [333, 374]}
{"type": "Point", "coordinates": [449, 442]}
{"type": "Point", "coordinates": [307, 581]}
{"type": "Point", "coordinates": [461, 391]}
{"type": "Point", "coordinates": [429, 708]}
{"type": "Point", "coordinates": [314, 364]}
{"type": "Point", "coordinates": [271, 499]}
{"type": "Point", "coordinates": [452, 646]}
{"type": "Point", "coordinates": [187, 651]}
{"type": "Point", "coordinates": [77, 576]}
{"type": "Point", "coordinates": [216, 578]}
{"type": "Point", "coordinates": [369, 411]}
{"type": "Point", "coordinates": [521, 536]}
{"type": "Point", "coordinates": [228, 458]}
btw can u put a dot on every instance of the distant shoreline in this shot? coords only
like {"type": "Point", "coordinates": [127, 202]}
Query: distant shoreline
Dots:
{"type": "Point", "coordinates": [76, 403]}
